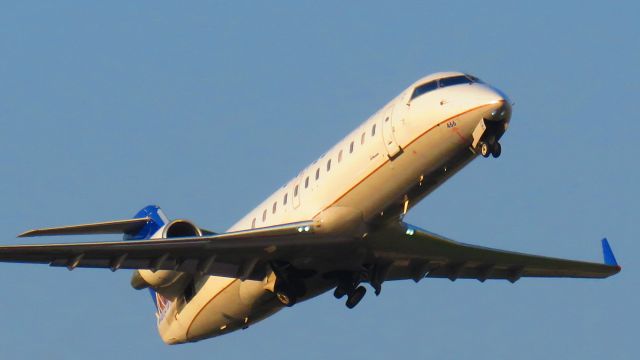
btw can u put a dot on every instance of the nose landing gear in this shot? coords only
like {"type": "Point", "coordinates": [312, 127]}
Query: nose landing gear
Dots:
{"type": "Point", "coordinates": [486, 149]}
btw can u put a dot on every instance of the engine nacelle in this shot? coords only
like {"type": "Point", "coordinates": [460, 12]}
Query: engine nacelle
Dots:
{"type": "Point", "coordinates": [166, 282]}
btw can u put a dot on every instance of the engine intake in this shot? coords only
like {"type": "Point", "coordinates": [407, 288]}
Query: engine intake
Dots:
{"type": "Point", "coordinates": [180, 228]}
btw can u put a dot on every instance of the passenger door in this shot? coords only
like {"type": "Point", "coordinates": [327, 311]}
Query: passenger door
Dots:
{"type": "Point", "coordinates": [388, 134]}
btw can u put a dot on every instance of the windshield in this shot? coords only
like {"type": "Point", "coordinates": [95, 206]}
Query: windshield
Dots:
{"type": "Point", "coordinates": [455, 80]}
{"type": "Point", "coordinates": [440, 83]}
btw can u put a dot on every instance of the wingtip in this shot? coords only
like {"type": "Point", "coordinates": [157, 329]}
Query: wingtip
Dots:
{"type": "Point", "coordinates": [607, 253]}
{"type": "Point", "coordinates": [25, 234]}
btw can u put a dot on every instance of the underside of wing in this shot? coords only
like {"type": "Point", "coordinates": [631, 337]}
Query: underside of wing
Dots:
{"type": "Point", "coordinates": [408, 252]}
{"type": "Point", "coordinates": [243, 254]}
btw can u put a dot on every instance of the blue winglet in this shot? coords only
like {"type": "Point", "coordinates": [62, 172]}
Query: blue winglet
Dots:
{"type": "Point", "coordinates": [609, 259]}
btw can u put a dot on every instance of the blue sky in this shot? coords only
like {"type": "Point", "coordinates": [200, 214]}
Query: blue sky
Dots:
{"type": "Point", "coordinates": [205, 108]}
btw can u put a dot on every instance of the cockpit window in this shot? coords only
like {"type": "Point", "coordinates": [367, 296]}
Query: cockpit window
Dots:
{"type": "Point", "coordinates": [449, 81]}
{"type": "Point", "coordinates": [455, 80]}
{"type": "Point", "coordinates": [475, 79]}
{"type": "Point", "coordinates": [424, 88]}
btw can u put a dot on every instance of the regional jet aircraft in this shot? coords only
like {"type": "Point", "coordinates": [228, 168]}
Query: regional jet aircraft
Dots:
{"type": "Point", "coordinates": [336, 225]}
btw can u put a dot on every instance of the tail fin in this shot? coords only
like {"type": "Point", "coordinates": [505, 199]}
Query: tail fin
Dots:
{"type": "Point", "coordinates": [156, 220]}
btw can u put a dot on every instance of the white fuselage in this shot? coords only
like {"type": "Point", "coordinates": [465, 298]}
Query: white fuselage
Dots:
{"type": "Point", "coordinates": [369, 172]}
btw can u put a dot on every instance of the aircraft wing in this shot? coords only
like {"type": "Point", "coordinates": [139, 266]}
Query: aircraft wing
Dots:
{"type": "Point", "coordinates": [399, 251]}
{"type": "Point", "coordinates": [404, 251]}
{"type": "Point", "coordinates": [242, 254]}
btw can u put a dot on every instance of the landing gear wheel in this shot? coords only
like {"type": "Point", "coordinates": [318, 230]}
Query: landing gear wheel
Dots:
{"type": "Point", "coordinates": [285, 295]}
{"type": "Point", "coordinates": [484, 149]}
{"type": "Point", "coordinates": [340, 292]}
{"type": "Point", "coordinates": [496, 150]}
{"type": "Point", "coordinates": [356, 296]}
{"type": "Point", "coordinates": [286, 299]}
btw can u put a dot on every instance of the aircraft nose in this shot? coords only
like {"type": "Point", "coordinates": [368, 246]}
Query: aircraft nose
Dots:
{"type": "Point", "coordinates": [501, 112]}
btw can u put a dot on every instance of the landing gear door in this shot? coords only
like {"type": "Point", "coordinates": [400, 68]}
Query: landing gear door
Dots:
{"type": "Point", "coordinates": [388, 134]}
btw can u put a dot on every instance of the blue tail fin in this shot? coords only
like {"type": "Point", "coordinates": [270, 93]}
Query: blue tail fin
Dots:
{"type": "Point", "coordinates": [157, 220]}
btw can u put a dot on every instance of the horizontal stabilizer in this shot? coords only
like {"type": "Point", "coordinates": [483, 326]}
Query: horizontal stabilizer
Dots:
{"type": "Point", "coordinates": [129, 226]}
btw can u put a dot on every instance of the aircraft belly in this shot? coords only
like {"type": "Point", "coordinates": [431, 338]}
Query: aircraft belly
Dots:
{"type": "Point", "coordinates": [221, 306]}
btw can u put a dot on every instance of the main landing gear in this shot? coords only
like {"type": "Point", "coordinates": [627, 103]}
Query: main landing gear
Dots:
{"type": "Point", "coordinates": [485, 149]}
{"type": "Point", "coordinates": [354, 291]}
{"type": "Point", "coordinates": [289, 286]}
{"type": "Point", "coordinates": [288, 292]}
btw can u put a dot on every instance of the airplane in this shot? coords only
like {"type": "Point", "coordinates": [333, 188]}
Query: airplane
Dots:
{"type": "Point", "coordinates": [336, 225]}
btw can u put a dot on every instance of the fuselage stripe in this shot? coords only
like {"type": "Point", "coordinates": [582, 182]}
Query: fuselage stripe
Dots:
{"type": "Point", "coordinates": [207, 304]}
{"type": "Point", "coordinates": [406, 147]}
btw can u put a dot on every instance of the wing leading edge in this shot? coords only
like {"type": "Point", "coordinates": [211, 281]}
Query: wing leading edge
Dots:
{"type": "Point", "coordinates": [409, 252]}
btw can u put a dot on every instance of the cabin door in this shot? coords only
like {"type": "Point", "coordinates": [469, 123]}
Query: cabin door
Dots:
{"type": "Point", "coordinates": [388, 134]}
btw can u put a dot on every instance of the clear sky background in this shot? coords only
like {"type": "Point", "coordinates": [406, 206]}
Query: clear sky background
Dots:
{"type": "Point", "coordinates": [205, 108]}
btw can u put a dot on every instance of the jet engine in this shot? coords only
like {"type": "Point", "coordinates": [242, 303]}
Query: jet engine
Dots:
{"type": "Point", "coordinates": [166, 282]}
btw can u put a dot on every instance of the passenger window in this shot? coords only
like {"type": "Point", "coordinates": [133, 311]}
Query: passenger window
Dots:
{"type": "Point", "coordinates": [306, 182]}
{"type": "Point", "coordinates": [284, 201]}
{"type": "Point", "coordinates": [275, 205]}
{"type": "Point", "coordinates": [362, 138]}
{"type": "Point", "coordinates": [373, 130]}
{"type": "Point", "coordinates": [295, 191]}
{"type": "Point", "coordinates": [253, 223]}
{"type": "Point", "coordinates": [351, 148]}
{"type": "Point", "coordinates": [317, 173]}
{"type": "Point", "coordinates": [340, 156]}
{"type": "Point", "coordinates": [329, 165]}
{"type": "Point", "coordinates": [264, 215]}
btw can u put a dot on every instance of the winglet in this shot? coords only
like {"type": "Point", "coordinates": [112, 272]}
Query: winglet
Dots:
{"type": "Point", "coordinates": [609, 258]}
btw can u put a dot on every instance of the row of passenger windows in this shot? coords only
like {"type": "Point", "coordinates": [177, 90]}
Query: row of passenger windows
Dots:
{"type": "Point", "coordinates": [296, 189]}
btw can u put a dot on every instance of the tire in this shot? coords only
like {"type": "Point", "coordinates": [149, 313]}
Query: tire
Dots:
{"type": "Point", "coordinates": [285, 296]}
{"type": "Point", "coordinates": [484, 149]}
{"type": "Point", "coordinates": [356, 296]}
{"type": "Point", "coordinates": [340, 292]}
{"type": "Point", "coordinates": [496, 150]}
{"type": "Point", "coordinates": [286, 299]}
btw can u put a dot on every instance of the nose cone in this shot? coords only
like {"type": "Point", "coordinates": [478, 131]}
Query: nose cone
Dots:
{"type": "Point", "coordinates": [499, 101]}
{"type": "Point", "coordinates": [501, 111]}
